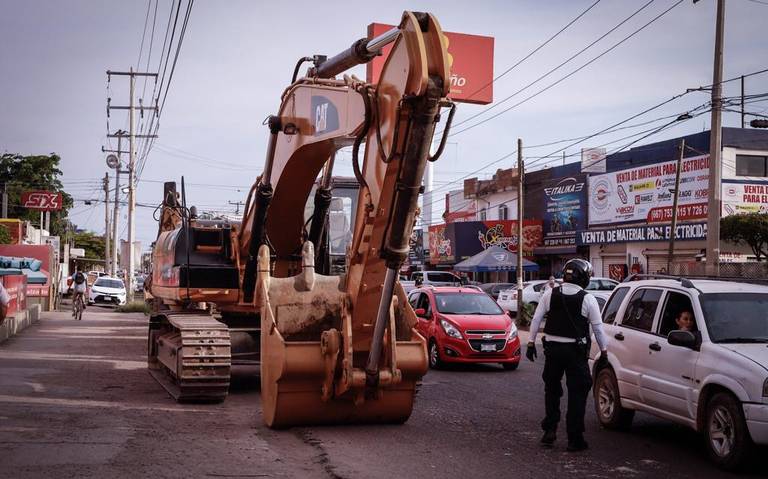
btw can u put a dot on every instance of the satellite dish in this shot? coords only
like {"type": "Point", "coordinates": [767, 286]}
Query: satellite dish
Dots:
{"type": "Point", "coordinates": [113, 161]}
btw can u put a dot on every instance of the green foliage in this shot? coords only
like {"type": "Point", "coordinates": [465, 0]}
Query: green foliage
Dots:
{"type": "Point", "coordinates": [35, 172]}
{"type": "Point", "coordinates": [5, 235]}
{"type": "Point", "coordinates": [750, 229]}
{"type": "Point", "coordinates": [93, 245]}
{"type": "Point", "coordinates": [134, 307]}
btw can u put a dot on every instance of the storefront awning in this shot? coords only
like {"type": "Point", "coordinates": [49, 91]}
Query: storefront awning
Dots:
{"type": "Point", "coordinates": [494, 258]}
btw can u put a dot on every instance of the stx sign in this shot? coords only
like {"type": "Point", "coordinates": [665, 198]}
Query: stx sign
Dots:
{"type": "Point", "coordinates": [41, 200]}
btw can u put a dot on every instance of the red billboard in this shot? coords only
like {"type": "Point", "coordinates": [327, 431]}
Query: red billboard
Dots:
{"type": "Point", "coordinates": [41, 200]}
{"type": "Point", "coordinates": [16, 286]}
{"type": "Point", "coordinates": [471, 65]}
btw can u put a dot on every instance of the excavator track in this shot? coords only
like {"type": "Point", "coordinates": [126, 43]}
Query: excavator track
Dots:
{"type": "Point", "coordinates": [190, 356]}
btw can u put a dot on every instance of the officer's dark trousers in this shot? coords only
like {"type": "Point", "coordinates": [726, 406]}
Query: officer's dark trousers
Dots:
{"type": "Point", "coordinates": [570, 359]}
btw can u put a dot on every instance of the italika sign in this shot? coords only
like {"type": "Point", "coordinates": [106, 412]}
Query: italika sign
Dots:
{"type": "Point", "coordinates": [41, 200]}
{"type": "Point", "coordinates": [471, 62]}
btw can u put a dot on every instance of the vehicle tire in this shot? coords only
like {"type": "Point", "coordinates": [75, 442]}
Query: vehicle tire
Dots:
{"type": "Point", "coordinates": [607, 398]}
{"type": "Point", "coordinates": [434, 355]}
{"type": "Point", "coordinates": [727, 437]}
{"type": "Point", "coordinates": [510, 366]}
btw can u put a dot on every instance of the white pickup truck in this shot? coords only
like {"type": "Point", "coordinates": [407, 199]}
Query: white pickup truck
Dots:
{"type": "Point", "coordinates": [434, 278]}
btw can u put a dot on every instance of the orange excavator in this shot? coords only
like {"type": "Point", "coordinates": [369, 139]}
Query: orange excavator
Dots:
{"type": "Point", "coordinates": [332, 349]}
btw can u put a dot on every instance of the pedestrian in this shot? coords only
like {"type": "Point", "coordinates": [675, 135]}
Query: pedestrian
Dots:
{"type": "Point", "coordinates": [5, 299]}
{"type": "Point", "coordinates": [570, 311]}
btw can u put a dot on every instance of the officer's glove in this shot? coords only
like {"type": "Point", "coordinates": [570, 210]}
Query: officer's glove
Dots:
{"type": "Point", "coordinates": [530, 351]}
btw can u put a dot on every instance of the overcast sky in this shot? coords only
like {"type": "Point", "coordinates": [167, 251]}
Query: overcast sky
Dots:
{"type": "Point", "coordinates": [238, 56]}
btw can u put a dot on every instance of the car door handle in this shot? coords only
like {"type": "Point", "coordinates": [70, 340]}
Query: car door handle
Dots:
{"type": "Point", "coordinates": [619, 336]}
{"type": "Point", "coordinates": [654, 346]}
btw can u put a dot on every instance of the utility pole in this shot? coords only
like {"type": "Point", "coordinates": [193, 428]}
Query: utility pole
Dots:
{"type": "Point", "coordinates": [715, 147]}
{"type": "Point", "coordinates": [5, 200]}
{"type": "Point", "coordinates": [107, 251]}
{"type": "Point", "coordinates": [520, 175]}
{"type": "Point", "coordinates": [119, 134]}
{"type": "Point", "coordinates": [237, 204]}
{"type": "Point", "coordinates": [132, 167]}
{"type": "Point", "coordinates": [743, 120]}
{"type": "Point", "coordinates": [674, 208]}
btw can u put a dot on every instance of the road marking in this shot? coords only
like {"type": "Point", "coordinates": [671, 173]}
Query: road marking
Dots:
{"type": "Point", "coordinates": [42, 401]}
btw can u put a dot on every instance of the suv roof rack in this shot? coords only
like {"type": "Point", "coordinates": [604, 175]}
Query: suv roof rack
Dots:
{"type": "Point", "coordinates": [685, 281]}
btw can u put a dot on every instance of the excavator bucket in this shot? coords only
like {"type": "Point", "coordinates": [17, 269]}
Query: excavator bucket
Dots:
{"type": "Point", "coordinates": [308, 373]}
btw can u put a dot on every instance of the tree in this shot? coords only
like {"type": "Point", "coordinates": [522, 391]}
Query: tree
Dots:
{"type": "Point", "coordinates": [5, 235]}
{"type": "Point", "coordinates": [37, 172]}
{"type": "Point", "coordinates": [92, 244]}
{"type": "Point", "coordinates": [750, 229]}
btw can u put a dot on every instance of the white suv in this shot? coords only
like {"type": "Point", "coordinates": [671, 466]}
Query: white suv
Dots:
{"type": "Point", "coordinates": [713, 378]}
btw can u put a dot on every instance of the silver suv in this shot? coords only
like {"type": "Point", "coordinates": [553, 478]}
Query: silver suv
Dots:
{"type": "Point", "coordinates": [710, 373]}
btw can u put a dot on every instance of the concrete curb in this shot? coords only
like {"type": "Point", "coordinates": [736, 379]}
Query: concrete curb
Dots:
{"type": "Point", "coordinates": [19, 321]}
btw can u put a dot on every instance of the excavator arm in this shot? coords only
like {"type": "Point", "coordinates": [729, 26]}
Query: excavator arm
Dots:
{"type": "Point", "coordinates": [343, 349]}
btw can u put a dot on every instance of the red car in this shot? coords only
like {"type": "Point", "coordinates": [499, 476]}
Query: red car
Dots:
{"type": "Point", "coordinates": [465, 325]}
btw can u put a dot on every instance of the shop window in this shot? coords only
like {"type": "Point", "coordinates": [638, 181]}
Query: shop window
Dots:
{"type": "Point", "coordinates": [483, 215]}
{"type": "Point", "coordinates": [503, 212]}
{"type": "Point", "coordinates": [751, 165]}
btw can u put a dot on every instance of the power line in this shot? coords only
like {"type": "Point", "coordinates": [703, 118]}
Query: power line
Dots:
{"type": "Point", "coordinates": [571, 73]}
{"type": "Point", "coordinates": [534, 51]}
{"type": "Point", "coordinates": [553, 70]}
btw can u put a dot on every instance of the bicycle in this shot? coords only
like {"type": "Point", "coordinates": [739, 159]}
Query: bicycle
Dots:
{"type": "Point", "coordinates": [78, 306]}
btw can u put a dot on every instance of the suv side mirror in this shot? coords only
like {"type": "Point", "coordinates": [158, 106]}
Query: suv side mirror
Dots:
{"type": "Point", "coordinates": [682, 338]}
{"type": "Point", "coordinates": [420, 312]}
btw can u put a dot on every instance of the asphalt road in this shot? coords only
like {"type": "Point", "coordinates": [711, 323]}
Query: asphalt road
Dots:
{"type": "Point", "coordinates": [76, 401]}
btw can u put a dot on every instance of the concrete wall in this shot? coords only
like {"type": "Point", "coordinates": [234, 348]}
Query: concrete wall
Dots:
{"type": "Point", "coordinates": [15, 323]}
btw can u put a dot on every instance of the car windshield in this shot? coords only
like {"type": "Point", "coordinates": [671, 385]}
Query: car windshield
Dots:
{"type": "Point", "coordinates": [109, 283]}
{"type": "Point", "coordinates": [463, 303]}
{"type": "Point", "coordinates": [736, 317]}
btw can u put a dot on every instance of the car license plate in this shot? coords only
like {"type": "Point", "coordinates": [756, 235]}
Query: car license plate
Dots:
{"type": "Point", "coordinates": [488, 348]}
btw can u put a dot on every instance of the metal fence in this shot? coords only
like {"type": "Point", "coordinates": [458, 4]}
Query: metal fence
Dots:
{"type": "Point", "coordinates": [727, 270]}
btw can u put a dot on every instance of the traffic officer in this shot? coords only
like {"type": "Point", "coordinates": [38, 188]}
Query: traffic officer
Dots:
{"type": "Point", "coordinates": [570, 311]}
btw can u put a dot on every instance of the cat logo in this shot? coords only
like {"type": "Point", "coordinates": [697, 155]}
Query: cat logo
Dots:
{"type": "Point", "coordinates": [324, 116]}
{"type": "Point", "coordinates": [321, 117]}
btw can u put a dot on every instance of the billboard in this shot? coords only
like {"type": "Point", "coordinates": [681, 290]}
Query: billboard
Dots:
{"type": "Point", "coordinates": [16, 286]}
{"type": "Point", "coordinates": [456, 242]}
{"type": "Point", "coordinates": [471, 65]}
{"type": "Point", "coordinates": [565, 203]}
{"type": "Point", "coordinates": [41, 200]}
{"type": "Point", "coordinates": [744, 198]}
{"type": "Point", "coordinates": [593, 160]}
{"type": "Point", "coordinates": [645, 193]}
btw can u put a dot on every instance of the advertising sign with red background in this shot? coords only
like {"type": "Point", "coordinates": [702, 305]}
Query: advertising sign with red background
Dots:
{"type": "Point", "coordinates": [16, 286]}
{"type": "Point", "coordinates": [744, 198]}
{"type": "Point", "coordinates": [41, 200]}
{"type": "Point", "coordinates": [42, 252]}
{"type": "Point", "coordinates": [471, 66]}
{"type": "Point", "coordinates": [645, 193]}
{"type": "Point", "coordinates": [456, 242]}
{"type": "Point", "coordinates": [14, 227]}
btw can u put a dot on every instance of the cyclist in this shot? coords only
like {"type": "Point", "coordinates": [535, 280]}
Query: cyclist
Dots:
{"type": "Point", "coordinates": [79, 285]}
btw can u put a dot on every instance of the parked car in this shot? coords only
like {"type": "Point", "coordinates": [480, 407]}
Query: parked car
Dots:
{"type": "Point", "coordinates": [434, 278]}
{"type": "Point", "coordinates": [493, 289]}
{"type": "Point", "coordinates": [107, 290]}
{"type": "Point", "coordinates": [464, 325]}
{"type": "Point", "coordinates": [712, 378]}
{"type": "Point", "coordinates": [532, 291]}
{"type": "Point", "coordinates": [601, 287]}
{"type": "Point", "coordinates": [138, 285]}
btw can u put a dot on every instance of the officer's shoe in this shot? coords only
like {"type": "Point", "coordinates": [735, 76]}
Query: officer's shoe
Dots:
{"type": "Point", "coordinates": [577, 444]}
{"type": "Point", "coordinates": [548, 439]}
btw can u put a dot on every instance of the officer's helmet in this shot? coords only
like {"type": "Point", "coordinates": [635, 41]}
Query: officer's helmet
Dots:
{"type": "Point", "coordinates": [577, 271]}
